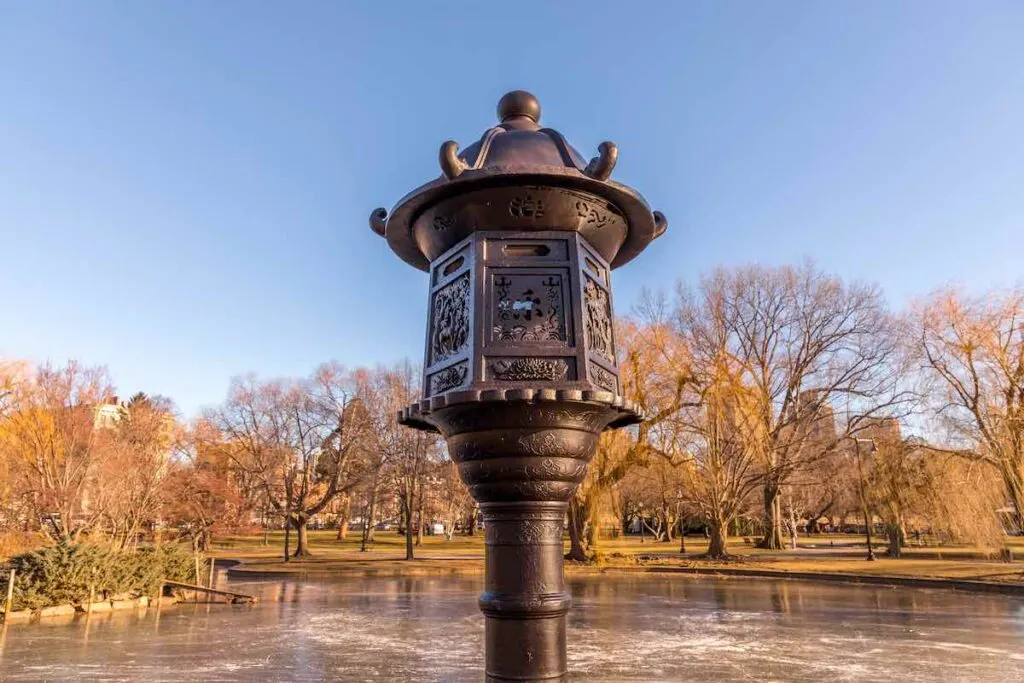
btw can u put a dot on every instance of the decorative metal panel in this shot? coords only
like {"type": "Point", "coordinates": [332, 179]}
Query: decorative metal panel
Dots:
{"type": "Point", "coordinates": [597, 316]}
{"type": "Point", "coordinates": [449, 333]}
{"type": "Point", "coordinates": [528, 308]}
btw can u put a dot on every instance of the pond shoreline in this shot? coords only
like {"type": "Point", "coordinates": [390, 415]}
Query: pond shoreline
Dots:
{"type": "Point", "coordinates": [84, 610]}
{"type": "Point", "coordinates": [241, 569]}
{"type": "Point", "coordinates": [112, 605]}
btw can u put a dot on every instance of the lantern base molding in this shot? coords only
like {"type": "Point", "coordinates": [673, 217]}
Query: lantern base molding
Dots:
{"type": "Point", "coordinates": [522, 453]}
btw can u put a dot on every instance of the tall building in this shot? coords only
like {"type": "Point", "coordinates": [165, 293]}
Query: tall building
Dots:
{"type": "Point", "coordinates": [881, 430]}
{"type": "Point", "coordinates": [812, 420]}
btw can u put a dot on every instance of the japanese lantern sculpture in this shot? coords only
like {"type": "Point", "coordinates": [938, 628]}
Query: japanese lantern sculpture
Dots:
{"type": "Point", "coordinates": [519, 236]}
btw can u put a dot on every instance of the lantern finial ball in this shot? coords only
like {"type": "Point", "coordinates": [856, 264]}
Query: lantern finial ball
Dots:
{"type": "Point", "coordinates": [519, 103]}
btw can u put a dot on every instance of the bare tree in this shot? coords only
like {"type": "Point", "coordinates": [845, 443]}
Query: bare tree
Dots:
{"type": "Point", "coordinates": [454, 501]}
{"type": "Point", "coordinates": [15, 508]}
{"type": "Point", "coordinates": [300, 439]}
{"type": "Point", "coordinates": [53, 447]}
{"type": "Point", "coordinates": [205, 494]}
{"type": "Point", "coordinates": [139, 446]}
{"type": "Point", "coordinates": [802, 342]}
{"type": "Point", "coordinates": [912, 484]}
{"type": "Point", "coordinates": [408, 453]}
{"type": "Point", "coordinates": [824, 490]}
{"type": "Point", "coordinates": [973, 351]}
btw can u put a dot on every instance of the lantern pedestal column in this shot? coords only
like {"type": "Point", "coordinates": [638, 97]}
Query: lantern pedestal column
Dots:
{"type": "Point", "coordinates": [525, 601]}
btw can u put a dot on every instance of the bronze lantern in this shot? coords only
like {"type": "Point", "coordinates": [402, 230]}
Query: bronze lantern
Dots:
{"type": "Point", "coordinates": [519, 236]}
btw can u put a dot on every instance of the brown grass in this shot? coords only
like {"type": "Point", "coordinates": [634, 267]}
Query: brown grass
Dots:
{"type": "Point", "coordinates": [830, 554]}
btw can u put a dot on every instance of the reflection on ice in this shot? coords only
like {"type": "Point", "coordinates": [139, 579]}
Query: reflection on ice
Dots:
{"type": "Point", "coordinates": [621, 628]}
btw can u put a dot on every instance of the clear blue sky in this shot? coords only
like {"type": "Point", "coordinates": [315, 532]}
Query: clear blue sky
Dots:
{"type": "Point", "coordinates": [184, 186]}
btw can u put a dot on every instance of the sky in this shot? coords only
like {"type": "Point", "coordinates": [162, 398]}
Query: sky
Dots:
{"type": "Point", "coordinates": [185, 186]}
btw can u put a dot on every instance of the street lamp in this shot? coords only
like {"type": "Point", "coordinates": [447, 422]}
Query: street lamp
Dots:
{"type": "Point", "coordinates": [864, 493]}
{"type": "Point", "coordinates": [519, 235]}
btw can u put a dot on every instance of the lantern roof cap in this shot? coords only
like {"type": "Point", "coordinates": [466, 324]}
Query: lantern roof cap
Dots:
{"type": "Point", "coordinates": [519, 152]}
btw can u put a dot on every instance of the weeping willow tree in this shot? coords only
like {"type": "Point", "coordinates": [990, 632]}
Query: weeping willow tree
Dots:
{"type": "Point", "coordinates": [914, 485]}
{"type": "Point", "coordinates": [973, 351]}
{"type": "Point", "coordinates": [723, 462]}
{"type": "Point", "coordinates": [655, 376]}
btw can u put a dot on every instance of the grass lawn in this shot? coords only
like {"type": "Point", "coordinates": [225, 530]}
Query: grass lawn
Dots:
{"type": "Point", "coordinates": [842, 554]}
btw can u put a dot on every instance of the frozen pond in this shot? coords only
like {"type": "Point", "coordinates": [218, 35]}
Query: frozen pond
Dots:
{"type": "Point", "coordinates": [623, 628]}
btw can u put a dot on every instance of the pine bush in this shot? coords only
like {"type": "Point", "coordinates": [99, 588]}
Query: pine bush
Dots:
{"type": "Point", "coordinates": [65, 573]}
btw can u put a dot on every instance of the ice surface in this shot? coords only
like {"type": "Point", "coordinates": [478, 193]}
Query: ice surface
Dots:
{"type": "Point", "coordinates": [620, 629]}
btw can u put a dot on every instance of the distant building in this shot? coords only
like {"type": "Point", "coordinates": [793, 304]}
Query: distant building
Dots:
{"type": "Point", "coordinates": [106, 415]}
{"type": "Point", "coordinates": [811, 422]}
{"type": "Point", "coordinates": [881, 430]}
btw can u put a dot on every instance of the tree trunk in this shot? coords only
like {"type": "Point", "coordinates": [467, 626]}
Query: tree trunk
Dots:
{"type": "Point", "coordinates": [364, 537]}
{"type": "Point", "coordinates": [471, 522]}
{"type": "Point", "coordinates": [772, 539]}
{"type": "Point", "coordinates": [407, 513]}
{"type": "Point", "coordinates": [302, 538]}
{"type": "Point", "coordinates": [287, 537]}
{"type": "Point", "coordinates": [718, 545]}
{"type": "Point", "coordinates": [592, 533]}
{"type": "Point", "coordinates": [792, 527]}
{"type": "Point", "coordinates": [578, 549]}
{"type": "Point", "coordinates": [374, 494]}
{"type": "Point", "coordinates": [1013, 477]}
{"type": "Point", "coordinates": [896, 537]}
{"type": "Point", "coordinates": [419, 518]}
{"type": "Point", "coordinates": [344, 514]}
{"type": "Point", "coordinates": [369, 519]}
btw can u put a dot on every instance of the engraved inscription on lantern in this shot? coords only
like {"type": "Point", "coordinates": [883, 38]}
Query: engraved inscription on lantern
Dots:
{"type": "Point", "coordinates": [590, 215]}
{"type": "Point", "coordinates": [597, 314]}
{"type": "Point", "coordinates": [528, 308]}
{"type": "Point", "coordinates": [449, 333]}
{"type": "Point", "coordinates": [526, 206]}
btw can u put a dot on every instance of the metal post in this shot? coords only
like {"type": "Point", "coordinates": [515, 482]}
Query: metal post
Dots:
{"type": "Point", "coordinates": [10, 593]}
{"type": "Point", "coordinates": [199, 581]}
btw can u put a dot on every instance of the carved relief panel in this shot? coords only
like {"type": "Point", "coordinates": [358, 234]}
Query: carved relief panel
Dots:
{"type": "Point", "coordinates": [598, 323]}
{"type": "Point", "coordinates": [597, 316]}
{"type": "Point", "coordinates": [449, 378]}
{"type": "Point", "coordinates": [527, 369]}
{"type": "Point", "coordinates": [449, 344]}
{"type": "Point", "coordinates": [602, 378]}
{"type": "Point", "coordinates": [449, 331]}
